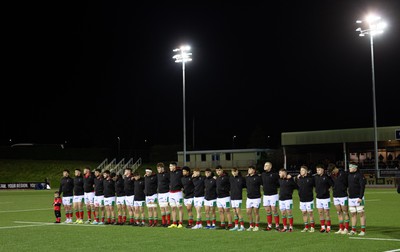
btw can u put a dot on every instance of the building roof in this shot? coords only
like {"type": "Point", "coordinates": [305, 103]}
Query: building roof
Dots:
{"type": "Point", "coordinates": [223, 151]}
{"type": "Point", "coordinates": [339, 136]}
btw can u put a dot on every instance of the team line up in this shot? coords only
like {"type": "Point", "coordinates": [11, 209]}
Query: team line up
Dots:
{"type": "Point", "coordinates": [177, 188]}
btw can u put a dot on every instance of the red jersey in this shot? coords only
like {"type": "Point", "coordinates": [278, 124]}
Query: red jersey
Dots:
{"type": "Point", "coordinates": [57, 204]}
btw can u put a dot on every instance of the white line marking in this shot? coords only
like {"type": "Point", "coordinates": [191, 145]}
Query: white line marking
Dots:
{"type": "Point", "coordinates": [392, 250]}
{"type": "Point", "coordinates": [375, 239]}
{"type": "Point", "coordinates": [52, 223]}
{"type": "Point", "coordinates": [24, 226]}
{"type": "Point", "coordinates": [26, 210]}
{"type": "Point", "coordinates": [373, 200]}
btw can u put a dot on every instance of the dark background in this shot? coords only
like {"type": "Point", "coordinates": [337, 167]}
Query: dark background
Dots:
{"type": "Point", "coordinates": [84, 73]}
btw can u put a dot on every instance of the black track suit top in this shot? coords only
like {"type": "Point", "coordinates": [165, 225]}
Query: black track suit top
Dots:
{"type": "Point", "coordinates": [223, 186]}
{"type": "Point", "coordinates": [88, 182]}
{"type": "Point", "coordinates": [253, 184]}
{"type": "Point", "coordinates": [210, 190]}
{"type": "Point", "coordinates": [237, 184]}
{"type": "Point", "coordinates": [306, 188]}
{"type": "Point", "coordinates": [270, 182]}
{"type": "Point", "coordinates": [109, 187]}
{"type": "Point", "coordinates": [129, 186]}
{"type": "Point", "coordinates": [78, 185]}
{"type": "Point", "coordinates": [322, 185]}
{"type": "Point", "coordinates": [286, 188]}
{"type": "Point", "coordinates": [139, 190]}
{"type": "Point", "coordinates": [175, 182]}
{"type": "Point", "coordinates": [150, 184]}
{"type": "Point", "coordinates": [356, 185]}
{"type": "Point", "coordinates": [66, 186]}
{"type": "Point", "coordinates": [163, 182]}
{"type": "Point", "coordinates": [98, 186]}
{"type": "Point", "coordinates": [119, 187]}
{"type": "Point", "coordinates": [188, 187]}
{"type": "Point", "coordinates": [340, 183]}
{"type": "Point", "coordinates": [199, 186]}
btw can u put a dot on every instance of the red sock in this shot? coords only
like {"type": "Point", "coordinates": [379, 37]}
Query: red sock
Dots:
{"type": "Point", "coordinates": [306, 226]}
{"type": "Point", "coordinates": [163, 219]}
{"type": "Point", "coordinates": [341, 226]}
{"type": "Point", "coordinates": [346, 225]}
{"type": "Point", "coordinates": [81, 215]}
{"type": "Point", "coordinates": [284, 220]}
{"type": "Point", "coordinates": [322, 223]}
{"type": "Point", "coordinates": [236, 222]}
{"type": "Point", "coordinates": [276, 217]}
{"type": "Point", "coordinates": [119, 218]}
{"type": "Point", "coordinates": [291, 221]}
{"type": "Point", "coordinates": [89, 214]}
{"type": "Point", "coordinates": [208, 223]}
{"type": "Point", "coordinates": [269, 219]}
{"type": "Point", "coordinates": [168, 219]}
{"type": "Point", "coordinates": [77, 214]}
{"type": "Point", "coordinates": [328, 223]}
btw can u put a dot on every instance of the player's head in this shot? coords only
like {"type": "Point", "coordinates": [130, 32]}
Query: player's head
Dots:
{"type": "Point", "coordinates": [353, 167]}
{"type": "Point", "coordinates": [219, 170]}
{"type": "Point", "coordinates": [185, 171]}
{"type": "Point", "coordinates": [267, 166]}
{"type": "Point", "coordinates": [282, 173]}
{"type": "Point", "coordinates": [303, 170]}
{"type": "Point", "coordinates": [320, 169]}
{"type": "Point", "coordinates": [251, 170]}
{"type": "Point", "coordinates": [160, 167]}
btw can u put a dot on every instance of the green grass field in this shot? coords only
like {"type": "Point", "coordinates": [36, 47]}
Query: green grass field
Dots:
{"type": "Point", "coordinates": [26, 224]}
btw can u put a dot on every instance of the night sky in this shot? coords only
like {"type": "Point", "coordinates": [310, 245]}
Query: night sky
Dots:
{"type": "Point", "coordinates": [89, 72]}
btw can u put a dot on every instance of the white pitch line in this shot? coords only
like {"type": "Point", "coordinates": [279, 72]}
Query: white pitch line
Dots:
{"type": "Point", "coordinates": [395, 250]}
{"type": "Point", "coordinates": [34, 222]}
{"type": "Point", "coordinates": [25, 210]}
{"type": "Point", "coordinates": [62, 224]}
{"type": "Point", "coordinates": [24, 226]}
{"type": "Point", "coordinates": [375, 239]}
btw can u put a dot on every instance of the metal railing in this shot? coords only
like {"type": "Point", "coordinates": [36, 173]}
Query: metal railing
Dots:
{"type": "Point", "coordinates": [103, 164]}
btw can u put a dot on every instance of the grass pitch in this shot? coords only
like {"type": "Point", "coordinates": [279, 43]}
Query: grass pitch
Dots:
{"type": "Point", "coordinates": [26, 224]}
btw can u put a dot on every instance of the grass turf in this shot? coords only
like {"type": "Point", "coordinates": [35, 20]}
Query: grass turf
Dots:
{"type": "Point", "coordinates": [26, 223]}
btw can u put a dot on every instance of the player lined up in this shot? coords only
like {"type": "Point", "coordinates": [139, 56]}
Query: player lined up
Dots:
{"type": "Point", "coordinates": [171, 190]}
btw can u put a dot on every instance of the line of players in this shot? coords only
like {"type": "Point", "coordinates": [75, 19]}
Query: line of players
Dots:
{"type": "Point", "coordinates": [177, 188]}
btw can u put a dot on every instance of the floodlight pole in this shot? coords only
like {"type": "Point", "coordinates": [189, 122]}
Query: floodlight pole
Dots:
{"type": "Point", "coordinates": [373, 29]}
{"type": "Point", "coordinates": [182, 57]}
{"type": "Point", "coordinates": [374, 108]}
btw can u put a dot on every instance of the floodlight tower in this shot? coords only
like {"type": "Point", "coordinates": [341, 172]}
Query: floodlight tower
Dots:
{"type": "Point", "coordinates": [373, 27]}
{"type": "Point", "coordinates": [183, 55]}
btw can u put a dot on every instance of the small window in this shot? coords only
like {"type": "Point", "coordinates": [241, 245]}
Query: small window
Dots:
{"type": "Point", "coordinates": [227, 156]}
{"type": "Point", "coordinates": [203, 158]}
{"type": "Point", "coordinates": [187, 158]}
